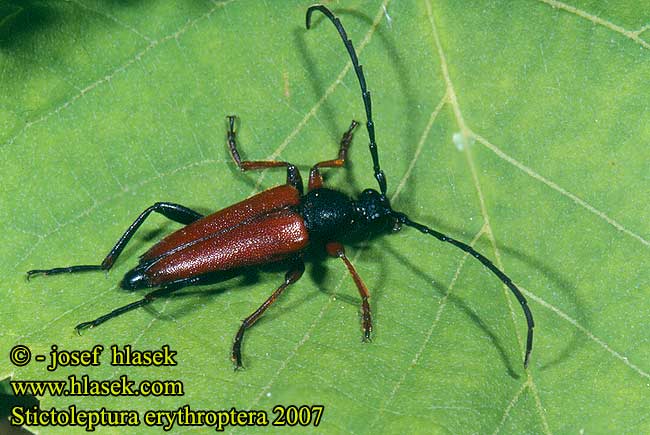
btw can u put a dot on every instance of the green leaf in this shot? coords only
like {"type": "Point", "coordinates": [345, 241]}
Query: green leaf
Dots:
{"type": "Point", "coordinates": [519, 127]}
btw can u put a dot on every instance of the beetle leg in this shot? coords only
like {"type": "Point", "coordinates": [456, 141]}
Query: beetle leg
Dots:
{"type": "Point", "coordinates": [315, 178]}
{"type": "Point", "coordinates": [146, 300]}
{"type": "Point", "coordinates": [335, 249]}
{"type": "Point", "coordinates": [172, 211]}
{"type": "Point", "coordinates": [293, 175]}
{"type": "Point", "coordinates": [293, 275]}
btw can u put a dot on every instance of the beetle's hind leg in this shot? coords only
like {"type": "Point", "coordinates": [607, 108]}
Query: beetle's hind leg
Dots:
{"type": "Point", "coordinates": [315, 178]}
{"type": "Point", "coordinates": [174, 212]}
{"type": "Point", "coordinates": [146, 300]}
{"type": "Point", "coordinates": [293, 275]}
{"type": "Point", "coordinates": [293, 175]}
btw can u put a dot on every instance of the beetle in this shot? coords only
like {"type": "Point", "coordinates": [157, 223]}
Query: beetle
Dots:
{"type": "Point", "coordinates": [276, 225]}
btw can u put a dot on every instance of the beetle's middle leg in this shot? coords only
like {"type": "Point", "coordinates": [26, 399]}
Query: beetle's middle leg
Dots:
{"type": "Point", "coordinates": [315, 178]}
{"type": "Point", "coordinates": [336, 249]}
{"type": "Point", "coordinates": [293, 275]}
{"type": "Point", "coordinates": [293, 175]}
{"type": "Point", "coordinates": [174, 212]}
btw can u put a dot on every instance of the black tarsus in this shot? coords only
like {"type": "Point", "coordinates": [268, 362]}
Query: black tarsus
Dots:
{"type": "Point", "coordinates": [365, 93]}
{"type": "Point", "coordinates": [174, 212]}
{"type": "Point", "coordinates": [402, 218]}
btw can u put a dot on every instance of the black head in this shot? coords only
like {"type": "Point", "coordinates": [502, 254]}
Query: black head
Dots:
{"type": "Point", "coordinates": [373, 215]}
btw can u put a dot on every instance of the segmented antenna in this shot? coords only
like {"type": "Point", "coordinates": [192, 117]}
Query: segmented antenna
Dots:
{"type": "Point", "coordinates": [365, 93]}
{"type": "Point", "coordinates": [402, 218]}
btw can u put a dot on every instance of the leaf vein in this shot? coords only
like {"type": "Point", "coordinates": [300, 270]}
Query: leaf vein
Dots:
{"type": "Point", "coordinates": [581, 202]}
{"type": "Point", "coordinates": [634, 35]}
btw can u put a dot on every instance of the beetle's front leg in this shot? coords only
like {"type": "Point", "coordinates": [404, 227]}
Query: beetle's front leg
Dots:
{"type": "Point", "coordinates": [293, 175]}
{"type": "Point", "coordinates": [294, 274]}
{"type": "Point", "coordinates": [315, 178]}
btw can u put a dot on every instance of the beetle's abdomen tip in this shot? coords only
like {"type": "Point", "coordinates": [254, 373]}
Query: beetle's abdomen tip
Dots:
{"type": "Point", "coordinates": [135, 279]}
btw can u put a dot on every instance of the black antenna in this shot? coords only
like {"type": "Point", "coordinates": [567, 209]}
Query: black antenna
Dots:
{"type": "Point", "coordinates": [365, 93]}
{"type": "Point", "coordinates": [402, 218]}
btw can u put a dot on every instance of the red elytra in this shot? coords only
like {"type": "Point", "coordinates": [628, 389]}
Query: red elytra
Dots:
{"type": "Point", "coordinates": [259, 230]}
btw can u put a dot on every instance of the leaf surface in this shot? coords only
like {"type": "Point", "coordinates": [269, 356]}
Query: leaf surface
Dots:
{"type": "Point", "coordinates": [520, 128]}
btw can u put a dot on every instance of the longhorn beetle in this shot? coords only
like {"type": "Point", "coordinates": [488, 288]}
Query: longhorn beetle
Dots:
{"type": "Point", "coordinates": [276, 225]}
